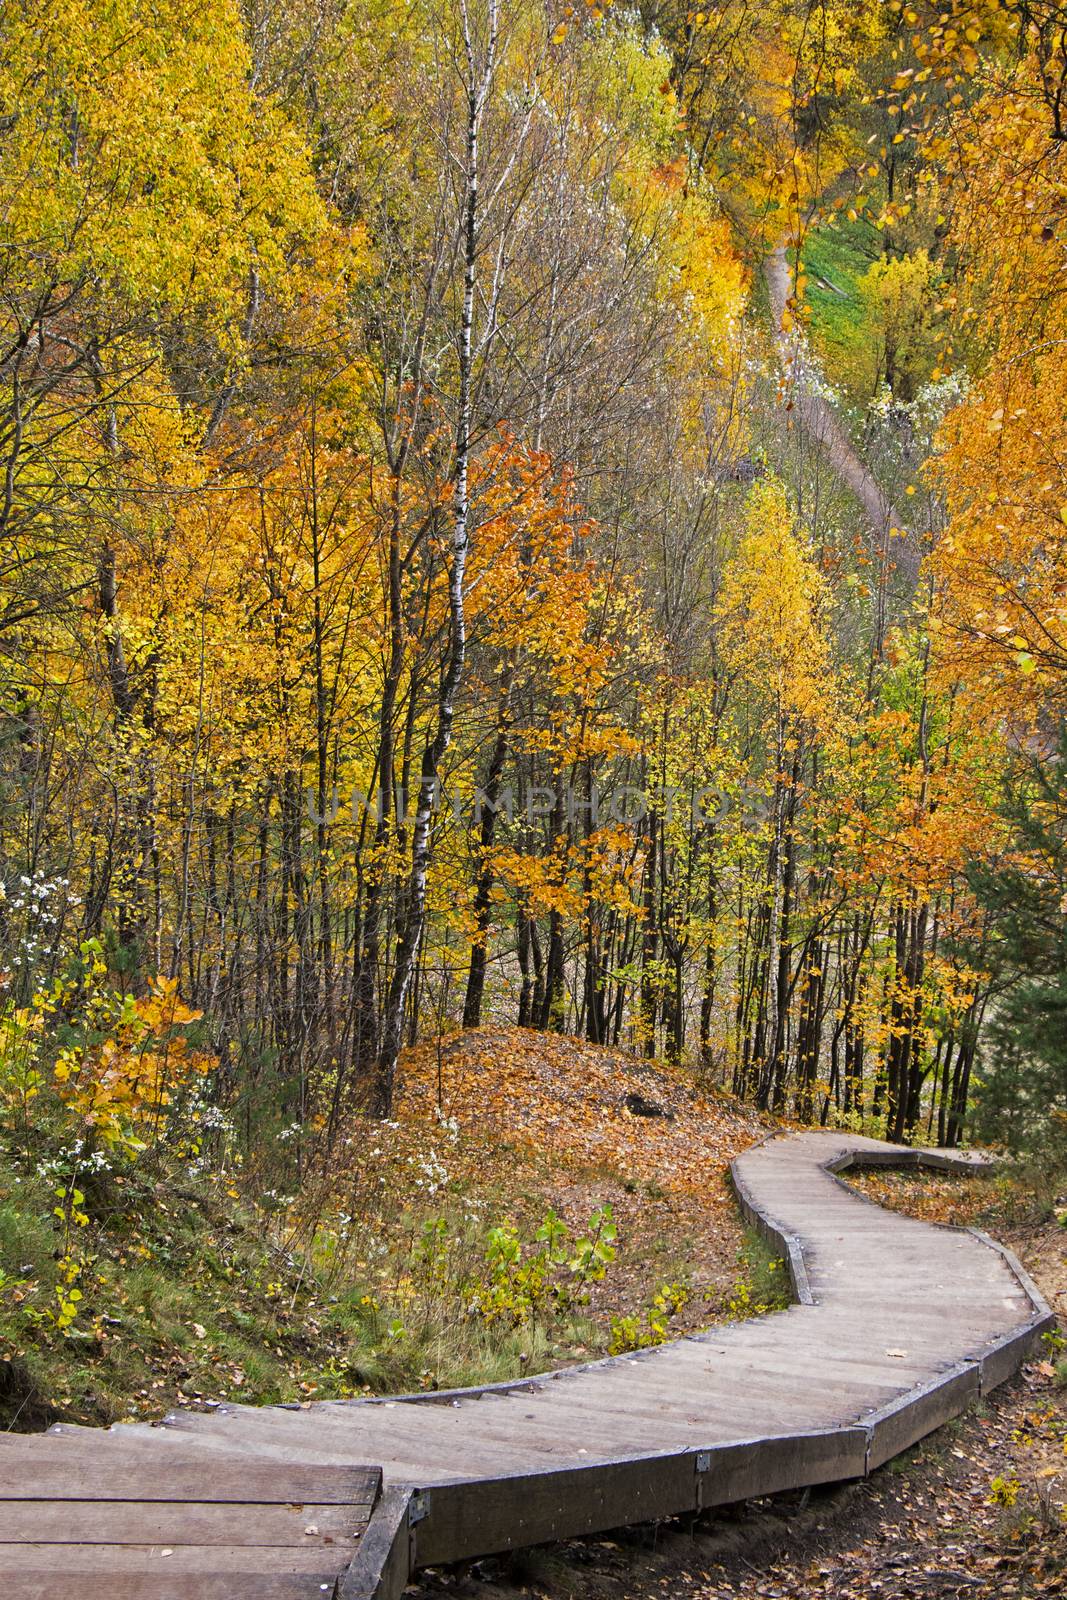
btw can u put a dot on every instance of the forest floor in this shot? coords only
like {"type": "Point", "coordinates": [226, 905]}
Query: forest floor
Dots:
{"type": "Point", "coordinates": [204, 1287]}
{"type": "Point", "coordinates": [551, 1121]}
{"type": "Point", "coordinates": [979, 1509]}
{"type": "Point", "coordinates": [197, 1285]}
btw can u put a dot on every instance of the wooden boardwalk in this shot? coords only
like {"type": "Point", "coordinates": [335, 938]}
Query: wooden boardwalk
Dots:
{"type": "Point", "coordinates": [897, 1326]}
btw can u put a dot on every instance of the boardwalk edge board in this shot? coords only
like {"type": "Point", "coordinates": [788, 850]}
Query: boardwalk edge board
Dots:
{"type": "Point", "coordinates": [1036, 1298]}
{"type": "Point", "coordinates": [384, 1561]}
{"type": "Point", "coordinates": [775, 1233]}
{"type": "Point", "coordinates": [902, 1423]}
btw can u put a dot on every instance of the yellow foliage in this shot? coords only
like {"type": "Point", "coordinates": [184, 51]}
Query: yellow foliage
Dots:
{"type": "Point", "coordinates": [1000, 618]}
{"type": "Point", "coordinates": [772, 608]}
{"type": "Point", "coordinates": [113, 1086]}
{"type": "Point", "coordinates": [898, 296]}
{"type": "Point", "coordinates": [138, 152]}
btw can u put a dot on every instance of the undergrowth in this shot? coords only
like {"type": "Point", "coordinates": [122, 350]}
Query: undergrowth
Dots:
{"type": "Point", "coordinates": [145, 1262]}
{"type": "Point", "coordinates": [763, 1282]}
{"type": "Point", "coordinates": [186, 1295]}
{"type": "Point", "coordinates": [1023, 1193]}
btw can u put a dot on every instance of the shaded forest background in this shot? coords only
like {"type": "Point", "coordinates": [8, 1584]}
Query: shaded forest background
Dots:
{"type": "Point", "coordinates": [528, 514]}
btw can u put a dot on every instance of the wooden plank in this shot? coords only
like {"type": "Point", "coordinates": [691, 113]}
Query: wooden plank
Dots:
{"type": "Point", "coordinates": [1018, 1271]}
{"type": "Point", "coordinates": [714, 1389]}
{"type": "Point", "coordinates": [1004, 1357]}
{"type": "Point", "coordinates": [718, 1414]}
{"type": "Point", "coordinates": [532, 1508]}
{"type": "Point", "coordinates": [71, 1560]}
{"type": "Point", "coordinates": [791, 1462]}
{"type": "Point", "coordinates": [48, 1467]}
{"type": "Point", "coordinates": [506, 1513]}
{"type": "Point", "coordinates": [872, 1372]}
{"type": "Point", "coordinates": [895, 1427]}
{"type": "Point", "coordinates": [342, 1437]}
{"type": "Point", "coordinates": [574, 1427]}
{"type": "Point", "coordinates": [187, 1522]}
{"type": "Point", "coordinates": [48, 1582]}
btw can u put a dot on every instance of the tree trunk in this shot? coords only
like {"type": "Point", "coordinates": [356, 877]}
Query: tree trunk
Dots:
{"type": "Point", "coordinates": [413, 902]}
{"type": "Point", "coordinates": [483, 895]}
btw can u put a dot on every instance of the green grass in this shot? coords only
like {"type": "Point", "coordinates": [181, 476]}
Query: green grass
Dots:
{"type": "Point", "coordinates": [763, 1284]}
{"type": "Point", "coordinates": [185, 1297]}
{"type": "Point", "coordinates": [835, 258]}
{"type": "Point", "coordinates": [174, 1303]}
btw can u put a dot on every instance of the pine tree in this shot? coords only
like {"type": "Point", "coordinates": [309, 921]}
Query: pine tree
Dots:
{"type": "Point", "coordinates": [1022, 1095]}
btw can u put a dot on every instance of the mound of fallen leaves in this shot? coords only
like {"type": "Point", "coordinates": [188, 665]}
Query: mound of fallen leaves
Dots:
{"type": "Point", "coordinates": [536, 1120]}
{"type": "Point", "coordinates": [576, 1104]}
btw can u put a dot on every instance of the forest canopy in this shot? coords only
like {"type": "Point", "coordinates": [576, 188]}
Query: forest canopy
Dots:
{"type": "Point", "coordinates": [551, 515]}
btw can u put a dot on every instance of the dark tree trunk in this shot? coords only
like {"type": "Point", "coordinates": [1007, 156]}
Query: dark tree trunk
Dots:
{"type": "Point", "coordinates": [483, 895]}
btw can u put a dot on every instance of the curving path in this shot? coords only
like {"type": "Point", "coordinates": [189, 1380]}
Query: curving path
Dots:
{"type": "Point", "coordinates": [898, 1325]}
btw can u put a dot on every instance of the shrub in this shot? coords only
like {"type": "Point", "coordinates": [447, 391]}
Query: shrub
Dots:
{"type": "Point", "coordinates": [87, 1071]}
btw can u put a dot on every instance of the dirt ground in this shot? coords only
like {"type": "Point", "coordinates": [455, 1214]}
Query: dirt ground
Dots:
{"type": "Point", "coordinates": [545, 1120]}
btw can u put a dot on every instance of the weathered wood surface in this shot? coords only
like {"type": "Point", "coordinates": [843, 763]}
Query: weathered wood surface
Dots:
{"type": "Point", "coordinates": [187, 1525]}
{"type": "Point", "coordinates": [898, 1325]}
